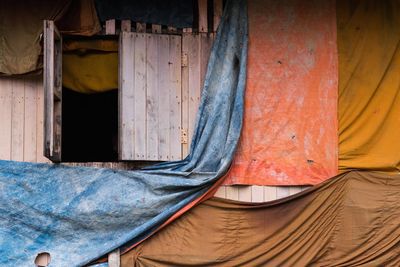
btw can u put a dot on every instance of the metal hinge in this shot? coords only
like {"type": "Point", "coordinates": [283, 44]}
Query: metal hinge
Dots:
{"type": "Point", "coordinates": [184, 61]}
{"type": "Point", "coordinates": [184, 136]}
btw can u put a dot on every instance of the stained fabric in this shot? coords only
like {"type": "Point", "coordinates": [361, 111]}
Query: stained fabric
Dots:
{"type": "Point", "coordinates": [175, 13]}
{"type": "Point", "coordinates": [290, 122]}
{"type": "Point", "coordinates": [350, 220]}
{"type": "Point", "coordinates": [80, 19]}
{"type": "Point", "coordinates": [90, 66]}
{"type": "Point", "coordinates": [21, 23]}
{"type": "Point", "coordinates": [78, 214]}
{"type": "Point", "coordinates": [369, 85]}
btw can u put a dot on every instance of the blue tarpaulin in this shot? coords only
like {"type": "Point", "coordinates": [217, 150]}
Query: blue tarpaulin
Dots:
{"type": "Point", "coordinates": [78, 214]}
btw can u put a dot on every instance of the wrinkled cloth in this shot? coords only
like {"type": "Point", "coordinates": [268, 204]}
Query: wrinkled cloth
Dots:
{"type": "Point", "coordinates": [350, 220]}
{"type": "Point", "coordinates": [21, 23]}
{"type": "Point", "coordinates": [175, 13]}
{"type": "Point", "coordinates": [90, 66]}
{"type": "Point", "coordinates": [289, 133]}
{"type": "Point", "coordinates": [369, 85]}
{"type": "Point", "coordinates": [79, 214]}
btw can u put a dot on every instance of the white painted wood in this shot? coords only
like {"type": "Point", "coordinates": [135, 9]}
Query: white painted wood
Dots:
{"type": "Point", "coordinates": [40, 121]}
{"type": "Point", "coordinates": [126, 25]}
{"type": "Point", "coordinates": [245, 193]}
{"type": "Point", "coordinates": [140, 99]}
{"type": "Point", "coordinates": [114, 259]}
{"type": "Point", "coordinates": [126, 96]}
{"type": "Point", "coordinates": [294, 190]}
{"type": "Point", "coordinates": [175, 97]}
{"type": "Point", "coordinates": [110, 26]}
{"type": "Point", "coordinates": [221, 192]}
{"type": "Point", "coordinates": [152, 97]}
{"type": "Point", "coordinates": [282, 191]}
{"type": "Point", "coordinates": [5, 117]}
{"type": "Point", "coordinates": [164, 87]}
{"type": "Point", "coordinates": [257, 193]}
{"type": "Point", "coordinates": [232, 192]}
{"type": "Point", "coordinates": [17, 120]}
{"type": "Point", "coordinates": [53, 91]}
{"type": "Point", "coordinates": [156, 28]}
{"type": "Point", "coordinates": [140, 27]}
{"type": "Point", "coordinates": [30, 114]}
{"type": "Point", "coordinates": [203, 25]}
{"type": "Point", "coordinates": [186, 37]}
{"type": "Point", "coordinates": [270, 193]}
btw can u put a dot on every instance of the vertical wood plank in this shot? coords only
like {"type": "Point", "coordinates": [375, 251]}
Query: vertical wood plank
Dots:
{"type": "Point", "coordinates": [126, 25]}
{"type": "Point", "coordinates": [203, 26]}
{"type": "Point", "coordinates": [110, 26]}
{"type": "Point", "coordinates": [126, 96]}
{"type": "Point", "coordinates": [206, 41]}
{"type": "Point", "coordinates": [140, 99]}
{"type": "Point", "coordinates": [282, 191]}
{"type": "Point", "coordinates": [245, 193]}
{"type": "Point", "coordinates": [39, 121]}
{"type": "Point", "coordinates": [5, 117]}
{"type": "Point", "coordinates": [185, 92]}
{"type": "Point", "coordinates": [30, 109]}
{"type": "Point", "coordinates": [17, 120]}
{"type": "Point", "coordinates": [152, 97]}
{"type": "Point", "coordinates": [140, 27]}
{"type": "Point", "coordinates": [114, 259]}
{"type": "Point", "coordinates": [232, 192]}
{"type": "Point", "coordinates": [294, 190]}
{"type": "Point", "coordinates": [269, 193]}
{"type": "Point", "coordinates": [194, 81]}
{"type": "Point", "coordinates": [257, 193]}
{"type": "Point", "coordinates": [164, 88]}
{"type": "Point", "coordinates": [156, 28]}
{"type": "Point", "coordinates": [221, 192]}
{"type": "Point", "coordinates": [175, 95]}
{"type": "Point", "coordinates": [171, 29]}
{"type": "Point", "coordinates": [217, 14]}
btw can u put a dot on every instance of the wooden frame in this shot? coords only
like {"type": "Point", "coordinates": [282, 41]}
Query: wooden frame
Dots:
{"type": "Point", "coordinates": [52, 77]}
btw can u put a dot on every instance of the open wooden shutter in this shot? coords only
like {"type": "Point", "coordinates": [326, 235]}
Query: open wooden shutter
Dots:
{"type": "Point", "coordinates": [52, 91]}
{"type": "Point", "coordinates": [150, 97]}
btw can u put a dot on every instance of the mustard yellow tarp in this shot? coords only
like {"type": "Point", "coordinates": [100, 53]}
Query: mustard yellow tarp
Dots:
{"type": "Point", "coordinates": [90, 66]}
{"type": "Point", "coordinates": [369, 84]}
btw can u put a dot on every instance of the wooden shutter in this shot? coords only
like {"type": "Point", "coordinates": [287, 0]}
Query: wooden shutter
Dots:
{"type": "Point", "coordinates": [52, 91]}
{"type": "Point", "coordinates": [150, 97]}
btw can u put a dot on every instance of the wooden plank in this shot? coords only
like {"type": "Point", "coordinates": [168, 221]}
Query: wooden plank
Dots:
{"type": "Point", "coordinates": [140, 27]}
{"type": "Point", "coordinates": [203, 26]}
{"type": "Point", "coordinates": [5, 117]}
{"type": "Point", "coordinates": [185, 93]}
{"type": "Point", "coordinates": [245, 193]}
{"type": "Point", "coordinates": [110, 26]}
{"type": "Point", "coordinates": [156, 28]}
{"type": "Point", "coordinates": [17, 119]}
{"type": "Point", "coordinates": [126, 96]}
{"type": "Point", "coordinates": [305, 187]}
{"type": "Point", "coordinates": [232, 192]}
{"type": "Point", "coordinates": [152, 98]}
{"type": "Point", "coordinates": [30, 135]}
{"type": "Point", "coordinates": [217, 14]}
{"type": "Point", "coordinates": [221, 192]}
{"type": "Point", "coordinates": [40, 121]}
{"type": "Point", "coordinates": [206, 41]}
{"type": "Point", "coordinates": [126, 25]}
{"type": "Point", "coordinates": [187, 30]}
{"type": "Point", "coordinates": [171, 29]}
{"type": "Point", "coordinates": [282, 191]}
{"type": "Point", "coordinates": [294, 190]}
{"type": "Point", "coordinates": [194, 82]}
{"type": "Point", "coordinates": [164, 88]}
{"type": "Point", "coordinates": [114, 259]}
{"type": "Point", "coordinates": [257, 193]}
{"type": "Point", "coordinates": [140, 99]}
{"type": "Point", "coordinates": [175, 96]}
{"type": "Point", "coordinates": [270, 193]}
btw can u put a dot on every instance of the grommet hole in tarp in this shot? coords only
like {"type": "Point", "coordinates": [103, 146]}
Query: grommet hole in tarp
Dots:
{"type": "Point", "coordinates": [42, 259]}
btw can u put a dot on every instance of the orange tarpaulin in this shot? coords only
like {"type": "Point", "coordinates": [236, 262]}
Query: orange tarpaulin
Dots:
{"type": "Point", "coordinates": [290, 122]}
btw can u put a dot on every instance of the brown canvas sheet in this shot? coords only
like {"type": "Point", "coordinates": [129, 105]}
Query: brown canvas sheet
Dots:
{"type": "Point", "coordinates": [351, 219]}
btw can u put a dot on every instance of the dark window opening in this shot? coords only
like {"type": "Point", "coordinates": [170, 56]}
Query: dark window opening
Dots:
{"type": "Point", "coordinates": [89, 126]}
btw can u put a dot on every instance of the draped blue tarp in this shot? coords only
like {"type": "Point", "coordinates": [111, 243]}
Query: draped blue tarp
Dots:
{"type": "Point", "coordinates": [79, 214]}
